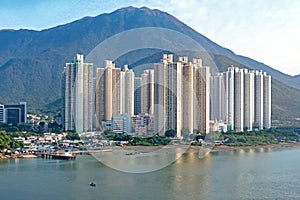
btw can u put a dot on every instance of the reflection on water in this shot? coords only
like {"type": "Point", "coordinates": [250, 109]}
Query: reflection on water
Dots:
{"type": "Point", "coordinates": [141, 160]}
{"type": "Point", "coordinates": [241, 174]}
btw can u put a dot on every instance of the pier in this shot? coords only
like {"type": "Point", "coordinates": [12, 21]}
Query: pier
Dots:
{"type": "Point", "coordinates": [57, 156]}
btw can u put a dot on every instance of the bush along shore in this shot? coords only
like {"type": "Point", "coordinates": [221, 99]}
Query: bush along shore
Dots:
{"type": "Point", "coordinates": [270, 138]}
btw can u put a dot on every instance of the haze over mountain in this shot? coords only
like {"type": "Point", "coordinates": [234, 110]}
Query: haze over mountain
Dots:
{"type": "Point", "coordinates": [31, 62]}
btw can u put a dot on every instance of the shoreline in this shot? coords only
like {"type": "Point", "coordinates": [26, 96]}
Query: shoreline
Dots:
{"type": "Point", "coordinates": [220, 148]}
{"type": "Point", "coordinates": [15, 156]}
{"type": "Point", "coordinates": [216, 148]}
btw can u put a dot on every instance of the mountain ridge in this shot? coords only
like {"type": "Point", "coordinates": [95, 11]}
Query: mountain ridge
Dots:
{"type": "Point", "coordinates": [128, 11]}
{"type": "Point", "coordinates": [41, 55]}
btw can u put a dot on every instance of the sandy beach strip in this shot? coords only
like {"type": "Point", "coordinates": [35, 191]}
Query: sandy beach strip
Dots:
{"type": "Point", "coordinates": [232, 148]}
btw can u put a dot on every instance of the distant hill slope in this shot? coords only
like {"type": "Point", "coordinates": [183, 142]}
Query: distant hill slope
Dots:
{"type": "Point", "coordinates": [31, 62]}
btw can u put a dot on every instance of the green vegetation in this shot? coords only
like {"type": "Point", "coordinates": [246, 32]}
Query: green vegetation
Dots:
{"type": "Point", "coordinates": [285, 105]}
{"type": "Point", "coordinates": [72, 136]}
{"type": "Point", "coordinates": [134, 141]}
{"type": "Point", "coordinates": [170, 133]}
{"type": "Point", "coordinates": [15, 128]}
{"type": "Point", "coordinates": [262, 137]}
{"type": "Point", "coordinates": [7, 142]}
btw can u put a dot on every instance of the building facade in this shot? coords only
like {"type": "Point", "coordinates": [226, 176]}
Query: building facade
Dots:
{"type": "Point", "coordinates": [239, 100]}
{"type": "Point", "coordinates": [108, 92]}
{"type": "Point", "coordinates": [147, 92]}
{"type": "Point", "coordinates": [13, 113]}
{"type": "Point", "coordinates": [2, 113]}
{"type": "Point", "coordinates": [137, 95]}
{"type": "Point", "coordinates": [127, 91]}
{"type": "Point", "coordinates": [181, 95]}
{"type": "Point", "coordinates": [78, 95]}
{"type": "Point", "coordinates": [267, 101]}
{"type": "Point", "coordinates": [258, 100]}
{"type": "Point", "coordinates": [202, 94]}
{"type": "Point", "coordinates": [121, 124]}
{"type": "Point", "coordinates": [248, 100]}
{"type": "Point", "coordinates": [246, 104]}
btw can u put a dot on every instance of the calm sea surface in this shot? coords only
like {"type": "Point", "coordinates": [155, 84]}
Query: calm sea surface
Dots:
{"type": "Point", "coordinates": [242, 174]}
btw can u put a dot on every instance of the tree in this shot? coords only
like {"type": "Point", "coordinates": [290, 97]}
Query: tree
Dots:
{"type": "Point", "coordinates": [72, 136]}
{"type": "Point", "coordinates": [185, 133]}
{"type": "Point", "coordinates": [170, 133]}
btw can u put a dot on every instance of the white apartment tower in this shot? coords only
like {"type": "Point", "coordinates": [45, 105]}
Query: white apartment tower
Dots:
{"type": "Point", "coordinates": [181, 95]}
{"type": "Point", "coordinates": [258, 99]}
{"type": "Point", "coordinates": [239, 100]}
{"type": "Point", "coordinates": [267, 101]}
{"type": "Point", "coordinates": [229, 96]}
{"type": "Point", "coordinates": [168, 107]}
{"type": "Point", "coordinates": [201, 102]}
{"type": "Point", "coordinates": [248, 99]}
{"type": "Point", "coordinates": [78, 95]}
{"type": "Point", "coordinates": [217, 94]}
{"type": "Point", "coordinates": [108, 92]}
{"type": "Point", "coordinates": [127, 91]}
{"type": "Point", "coordinates": [188, 95]}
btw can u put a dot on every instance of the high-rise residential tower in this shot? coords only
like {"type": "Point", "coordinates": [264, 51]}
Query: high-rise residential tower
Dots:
{"type": "Point", "coordinates": [258, 99]}
{"type": "Point", "coordinates": [201, 102]}
{"type": "Point", "coordinates": [229, 94]}
{"type": "Point", "coordinates": [181, 95]}
{"type": "Point", "coordinates": [147, 92]}
{"type": "Point", "coordinates": [267, 101]}
{"type": "Point", "coordinates": [78, 95]}
{"type": "Point", "coordinates": [127, 91]}
{"type": "Point", "coordinates": [188, 94]}
{"type": "Point", "coordinates": [108, 92]}
{"type": "Point", "coordinates": [168, 88]}
{"type": "Point", "coordinates": [218, 100]}
{"type": "Point", "coordinates": [239, 100]}
{"type": "Point", "coordinates": [137, 95]}
{"type": "Point", "coordinates": [248, 99]}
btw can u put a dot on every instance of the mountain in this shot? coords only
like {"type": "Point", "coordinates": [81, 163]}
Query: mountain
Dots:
{"type": "Point", "coordinates": [31, 62]}
{"type": "Point", "coordinates": [297, 78]}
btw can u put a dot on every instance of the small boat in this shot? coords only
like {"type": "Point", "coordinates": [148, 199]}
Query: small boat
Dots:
{"type": "Point", "coordinates": [92, 184]}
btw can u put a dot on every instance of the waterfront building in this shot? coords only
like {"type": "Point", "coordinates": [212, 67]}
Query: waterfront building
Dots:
{"type": "Point", "coordinates": [121, 124]}
{"type": "Point", "coordinates": [78, 95]}
{"type": "Point", "coordinates": [215, 126]}
{"type": "Point", "coordinates": [143, 125]}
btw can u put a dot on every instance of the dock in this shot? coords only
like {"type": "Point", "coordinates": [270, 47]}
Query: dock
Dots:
{"type": "Point", "coordinates": [57, 156]}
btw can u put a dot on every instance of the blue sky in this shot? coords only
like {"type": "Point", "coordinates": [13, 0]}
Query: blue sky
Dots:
{"type": "Point", "coordinates": [267, 31]}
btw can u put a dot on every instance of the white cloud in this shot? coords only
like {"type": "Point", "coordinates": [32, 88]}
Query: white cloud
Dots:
{"type": "Point", "coordinates": [267, 31]}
